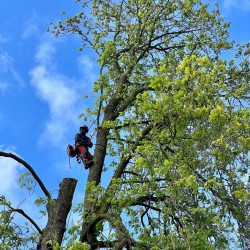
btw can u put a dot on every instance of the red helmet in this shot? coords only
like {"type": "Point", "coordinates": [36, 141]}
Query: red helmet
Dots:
{"type": "Point", "coordinates": [86, 129]}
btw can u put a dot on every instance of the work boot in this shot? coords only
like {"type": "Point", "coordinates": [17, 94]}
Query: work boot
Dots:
{"type": "Point", "coordinates": [88, 163]}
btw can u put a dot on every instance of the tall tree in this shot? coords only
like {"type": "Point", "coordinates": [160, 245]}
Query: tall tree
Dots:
{"type": "Point", "coordinates": [172, 134]}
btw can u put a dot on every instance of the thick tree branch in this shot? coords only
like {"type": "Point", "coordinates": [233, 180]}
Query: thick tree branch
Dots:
{"type": "Point", "coordinates": [124, 161]}
{"type": "Point", "coordinates": [131, 99]}
{"type": "Point", "coordinates": [121, 167]}
{"type": "Point", "coordinates": [116, 223]}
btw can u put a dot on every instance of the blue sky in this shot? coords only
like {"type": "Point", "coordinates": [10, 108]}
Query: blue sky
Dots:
{"type": "Point", "coordinates": [42, 83]}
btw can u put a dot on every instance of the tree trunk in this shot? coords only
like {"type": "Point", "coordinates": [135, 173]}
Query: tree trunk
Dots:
{"type": "Point", "coordinates": [58, 210]}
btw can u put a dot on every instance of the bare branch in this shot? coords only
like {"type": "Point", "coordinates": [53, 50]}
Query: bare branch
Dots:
{"type": "Point", "coordinates": [20, 211]}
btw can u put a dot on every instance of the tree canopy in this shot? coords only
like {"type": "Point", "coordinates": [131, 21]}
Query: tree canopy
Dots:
{"type": "Point", "coordinates": [172, 127]}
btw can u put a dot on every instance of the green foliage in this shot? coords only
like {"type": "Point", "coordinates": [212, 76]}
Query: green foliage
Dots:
{"type": "Point", "coordinates": [12, 235]}
{"type": "Point", "coordinates": [27, 181]}
{"type": "Point", "coordinates": [54, 244]}
{"type": "Point", "coordinates": [173, 127]}
{"type": "Point", "coordinates": [79, 246]}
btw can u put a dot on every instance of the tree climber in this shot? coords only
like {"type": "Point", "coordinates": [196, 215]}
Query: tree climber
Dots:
{"type": "Point", "coordinates": [82, 143]}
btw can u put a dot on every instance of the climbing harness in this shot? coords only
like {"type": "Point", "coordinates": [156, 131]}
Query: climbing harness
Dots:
{"type": "Point", "coordinates": [71, 149]}
{"type": "Point", "coordinates": [73, 152]}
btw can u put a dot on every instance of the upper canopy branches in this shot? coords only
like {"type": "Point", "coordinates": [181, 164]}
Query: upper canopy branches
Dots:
{"type": "Point", "coordinates": [173, 115]}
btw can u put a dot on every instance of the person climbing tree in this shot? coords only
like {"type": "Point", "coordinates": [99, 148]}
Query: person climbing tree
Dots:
{"type": "Point", "coordinates": [82, 143]}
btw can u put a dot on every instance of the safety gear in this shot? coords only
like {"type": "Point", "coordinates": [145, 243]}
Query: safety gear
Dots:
{"type": "Point", "coordinates": [86, 129]}
{"type": "Point", "coordinates": [87, 163]}
{"type": "Point", "coordinates": [82, 140]}
{"type": "Point", "coordinates": [80, 148]}
{"type": "Point", "coordinates": [71, 151]}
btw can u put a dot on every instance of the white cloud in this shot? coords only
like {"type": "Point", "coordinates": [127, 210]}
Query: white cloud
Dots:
{"type": "Point", "coordinates": [29, 31]}
{"type": "Point", "coordinates": [57, 92]}
{"type": "Point", "coordinates": [19, 198]}
{"type": "Point", "coordinates": [7, 68]}
{"type": "Point", "coordinates": [10, 171]}
{"type": "Point", "coordinates": [6, 61]}
{"type": "Point", "coordinates": [8, 175]}
{"type": "Point", "coordinates": [44, 54]}
{"type": "Point", "coordinates": [239, 4]}
{"type": "Point", "coordinates": [31, 27]}
{"type": "Point", "coordinates": [61, 93]}
{"type": "Point", "coordinates": [53, 89]}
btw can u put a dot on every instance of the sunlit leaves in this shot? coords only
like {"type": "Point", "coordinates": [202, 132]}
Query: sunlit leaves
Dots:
{"type": "Point", "coordinates": [79, 246]}
{"type": "Point", "coordinates": [12, 235]}
{"type": "Point", "coordinates": [207, 128]}
{"type": "Point", "coordinates": [185, 184]}
{"type": "Point", "coordinates": [27, 181]}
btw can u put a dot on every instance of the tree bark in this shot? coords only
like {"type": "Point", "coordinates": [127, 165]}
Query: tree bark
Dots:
{"type": "Point", "coordinates": [58, 210]}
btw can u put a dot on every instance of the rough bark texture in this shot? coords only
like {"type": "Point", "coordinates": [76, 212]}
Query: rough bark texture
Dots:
{"type": "Point", "coordinates": [58, 210]}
